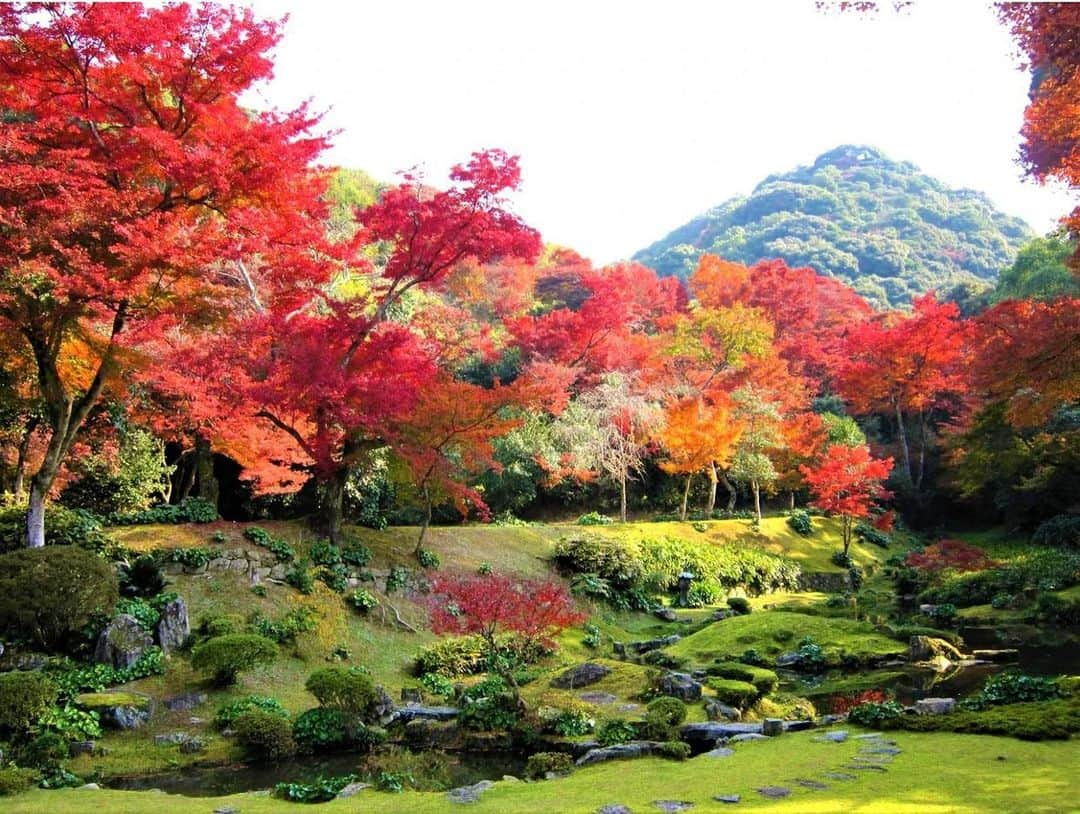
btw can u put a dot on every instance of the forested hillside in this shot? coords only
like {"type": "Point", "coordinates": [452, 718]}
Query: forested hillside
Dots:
{"type": "Point", "coordinates": [887, 229]}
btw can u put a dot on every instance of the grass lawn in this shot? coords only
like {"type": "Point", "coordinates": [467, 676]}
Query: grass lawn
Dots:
{"type": "Point", "coordinates": [936, 773]}
{"type": "Point", "coordinates": [774, 632]}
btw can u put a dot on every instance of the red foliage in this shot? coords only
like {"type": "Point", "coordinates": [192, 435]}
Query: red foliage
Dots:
{"type": "Point", "coordinates": [843, 704]}
{"type": "Point", "coordinates": [949, 555]}
{"type": "Point", "coordinates": [494, 604]}
{"type": "Point", "coordinates": [847, 482]}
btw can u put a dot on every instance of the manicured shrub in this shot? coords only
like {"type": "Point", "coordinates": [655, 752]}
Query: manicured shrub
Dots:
{"type": "Point", "coordinates": [1062, 531]}
{"type": "Point", "coordinates": [1059, 609]}
{"type": "Point", "coordinates": [14, 780]}
{"type": "Point", "coordinates": [674, 750]}
{"type": "Point", "coordinates": [569, 722]}
{"type": "Point", "coordinates": [874, 536]}
{"type": "Point", "coordinates": [215, 625]}
{"type": "Point", "coordinates": [24, 697]}
{"type": "Point", "coordinates": [325, 553]}
{"type": "Point", "coordinates": [347, 689]}
{"type": "Point", "coordinates": [44, 751]}
{"type": "Point", "coordinates": [225, 657]}
{"type": "Point", "coordinates": [594, 519]}
{"type": "Point", "coordinates": [488, 706]}
{"type": "Point", "coordinates": [540, 765]}
{"type": "Point", "coordinates": [228, 713]}
{"type": "Point", "coordinates": [48, 595]}
{"type": "Point", "coordinates": [666, 710]}
{"type": "Point", "coordinates": [356, 554]}
{"type": "Point", "coordinates": [949, 555]}
{"type": "Point", "coordinates": [1038, 569]}
{"type": "Point", "coordinates": [615, 731]}
{"type": "Point", "coordinates": [189, 510]}
{"type": "Point", "coordinates": [264, 735]}
{"type": "Point", "coordinates": [617, 561]}
{"type": "Point", "coordinates": [764, 680]}
{"type": "Point", "coordinates": [799, 521]}
{"type": "Point", "coordinates": [465, 655]}
{"type": "Point", "coordinates": [739, 694]}
{"type": "Point", "coordinates": [1035, 721]}
{"type": "Point", "coordinates": [739, 604]}
{"type": "Point", "coordinates": [704, 592]}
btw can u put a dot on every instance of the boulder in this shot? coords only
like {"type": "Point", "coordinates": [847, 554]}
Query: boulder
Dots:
{"type": "Point", "coordinates": [774, 792]}
{"type": "Point", "coordinates": [935, 706]}
{"type": "Point", "coordinates": [192, 745]}
{"type": "Point", "coordinates": [469, 794]}
{"type": "Point", "coordinates": [352, 790]}
{"type": "Point", "coordinates": [598, 697]}
{"type": "Point", "coordinates": [720, 751]}
{"type": "Point", "coordinates": [414, 712]}
{"type": "Point", "coordinates": [704, 736]}
{"type": "Point", "coordinates": [619, 751]}
{"type": "Point", "coordinates": [837, 736]}
{"type": "Point", "coordinates": [666, 614]}
{"type": "Point", "coordinates": [671, 806]}
{"type": "Point", "coordinates": [788, 660]}
{"type": "Point", "coordinates": [681, 686]}
{"type": "Point", "coordinates": [76, 748]}
{"type": "Point", "coordinates": [173, 629]}
{"type": "Point", "coordinates": [615, 808]}
{"type": "Point", "coordinates": [1006, 655]}
{"type": "Point", "coordinates": [727, 798]}
{"type": "Point", "coordinates": [383, 707]}
{"type": "Point", "coordinates": [928, 648]}
{"type": "Point", "coordinates": [748, 736]}
{"type": "Point", "coordinates": [716, 711]}
{"type": "Point", "coordinates": [119, 710]}
{"type": "Point", "coordinates": [646, 646]}
{"type": "Point", "coordinates": [427, 735]}
{"type": "Point", "coordinates": [122, 642]}
{"type": "Point", "coordinates": [580, 676]}
{"type": "Point", "coordinates": [772, 727]}
{"type": "Point", "coordinates": [185, 701]}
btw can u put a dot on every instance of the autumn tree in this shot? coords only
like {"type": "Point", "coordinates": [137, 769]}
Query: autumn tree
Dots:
{"type": "Point", "coordinates": [846, 482]}
{"type": "Point", "coordinates": [130, 175]}
{"type": "Point", "coordinates": [493, 605]}
{"type": "Point", "coordinates": [761, 421]}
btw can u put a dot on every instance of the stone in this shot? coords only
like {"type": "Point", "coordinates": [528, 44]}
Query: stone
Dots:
{"type": "Point", "coordinates": [681, 686]}
{"type": "Point", "coordinates": [423, 734]}
{"type": "Point", "coordinates": [666, 614]}
{"type": "Point", "coordinates": [601, 698]}
{"type": "Point", "coordinates": [278, 572]}
{"type": "Point", "coordinates": [771, 727]}
{"type": "Point", "coordinates": [383, 706]}
{"type": "Point", "coordinates": [866, 767]}
{"type": "Point", "coordinates": [881, 750]}
{"type": "Point", "coordinates": [935, 706]}
{"type": "Point", "coordinates": [580, 676]}
{"type": "Point", "coordinates": [928, 648]}
{"type": "Point", "coordinates": [173, 629]}
{"type": "Point", "coordinates": [717, 711]}
{"type": "Point", "coordinates": [411, 695]}
{"type": "Point", "coordinates": [414, 712]}
{"type": "Point", "coordinates": [798, 726]}
{"type": "Point", "coordinates": [352, 790]}
{"type": "Point", "coordinates": [1005, 656]}
{"type": "Point", "coordinates": [617, 808]}
{"type": "Point", "coordinates": [774, 792]}
{"type": "Point", "coordinates": [705, 735]}
{"type": "Point", "coordinates": [869, 736]}
{"type": "Point", "coordinates": [747, 736]}
{"type": "Point", "coordinates": [226, 810]}
{"type": "Point", "coordinates": [829, 720]}
{"type": "Point", "coordinates": [170, 739]}
{"type": "Point", "coordinates": [76, 748]}
{"type": "Point", "coordinates": [839, 776]}
{"type": "Point", "coordinates": [652, 644]}
{"type": "Point", "coordinates": [788, 659]}
{"type": "Point", "coordinates": [192, 746]}
{"type": "Point", "coordinates": [186, 701]}
{"type": "Point", "coordinates": [672, 806]}
{"type": "Point", "coordinates": [122, 642]}
{"type": "Point", "coordinates": [839, 736]}
{"type": "Point", "coordinates": [469, 794]}
{"type": "Point", "coordinates": [618, 751]}
{"type": "Point", "coordinates": [815, 785]}
{"type": "Point", "coordinates": [90, 787]}
{"type": "Point", "coordinates": [720, 751]}
{"type": "Point", "coordinates": [730, 799]}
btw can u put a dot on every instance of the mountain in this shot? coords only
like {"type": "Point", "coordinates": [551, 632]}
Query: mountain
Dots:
{"type": "Point", "coordinates": [887, 229]}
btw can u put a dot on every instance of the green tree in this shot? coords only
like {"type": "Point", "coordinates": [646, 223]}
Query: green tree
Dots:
{"type": "Point", "coordinates": [1040, 271]}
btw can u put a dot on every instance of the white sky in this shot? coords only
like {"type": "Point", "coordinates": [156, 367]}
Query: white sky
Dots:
{"type": "Point", "coordinates": [631, 117]}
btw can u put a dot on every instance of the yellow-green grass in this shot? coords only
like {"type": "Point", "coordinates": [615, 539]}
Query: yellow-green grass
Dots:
{"type": "Point", "coordinates": [812, 552]}
{"type": "Point", "coordinates": [936, 773]}
{"type": "Point", "coordinates": [771, 633]}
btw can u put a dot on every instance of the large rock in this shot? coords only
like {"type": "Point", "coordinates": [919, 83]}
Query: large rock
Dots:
{"type": "Point", "coordinates": [716, 711]}
{"type": "Point", "coordinates": [119, 710]}
{"type": "Point", "coordinates": [122, 642]}
{"type": "Point", "coordinates": [619, 751]}
{"type": "Point", "coordinates": [680, 685]}
{"type": "Point", "coordinates": [173, 629]}
{"type": "Point", "coordinates": [935, 706]}
{"type": "Point", "coordinates": [928, 648]}
{"type": "Point", "coordinates": [426, 735]}
{"type": "Point", "coordinates": [646, 646]}
{"type": "Point", "coordinates": [581, 676]}
{"type": "Point", "coordinates": [184, 701]}
{"type": "Point", "coordinates": [703, 736]}
{"type": "Point", "coordinates": [420, 712]}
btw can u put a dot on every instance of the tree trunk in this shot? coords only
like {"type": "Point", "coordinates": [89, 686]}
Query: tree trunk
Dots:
{"type": "Point", "coordinates": [791, 500]}
{"type": "Point", "coordinates": [757, 499]}
{"type": "Point", "coordinates": [922, 450]}
{"type": "Point", "coordinates": [187, 478]}
{"type": "Point", "coordinates": [19, 483]}
{"type": "Point", "coordinates": [713, 480]}
{"type": "Point", "coordinates": [901, 434]}
{"type": "Point", "coordinates": [207, 484]}
{"type": "Point", "coordinates": [622, 499]}
{"type": "Point", "coordinates": [334, 504]}
{"type": "Point", "coordinates": [846, 526]}
{"type": "Point", "coordinates": [35, 516]}
{"type": "Point", "coordinates": [427, 520]}
{"type": "Point", "coordinates": [43, 480]}
{"type": "Point", "coordinates": [732, 494]}
{"type": "Point", "coordinates": [685, 498]}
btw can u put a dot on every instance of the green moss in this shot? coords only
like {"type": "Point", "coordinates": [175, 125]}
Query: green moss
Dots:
{"type": "Point", "coordinates": [763, 679]}
{"type": "Point", "coordinates": [739, 694]}
{"type": "Point", "coordinates": [1040, 720]}
{"type": "Point", "coordinates": [101, 700]}
{"type": "Point", "coordinates": [774, 632]}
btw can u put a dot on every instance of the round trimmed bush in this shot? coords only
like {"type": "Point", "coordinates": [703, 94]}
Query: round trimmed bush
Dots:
{"type": "Point", "coordinates": [666, 710]}
{"type": "Point", "coordinates": [739, 694]}
{"type": "Point", "coordinates": [264, 735]}
{"type": "Point", "coordinates": [24, 697]}
{"type": "Point", "coordinates": [538, 766]}
{"type": "Point", "coordinates": [615, 731]}
{"type": "Point", "coordinates": [739, 604]}
{"type": "Point", "coordinates": [14, 780]}
{"type": "Point", "coordinates": [48, 595]}
{"type": "Point", "coordinates": [225, 657]}
{"type": "Point", "coordinates": [763, 679]}
{"type": "Point", "coordinates": [346, 689]}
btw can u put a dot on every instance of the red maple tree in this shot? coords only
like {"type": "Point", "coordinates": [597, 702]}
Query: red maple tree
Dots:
{"type": "Point", "coordinates": [846, 483]}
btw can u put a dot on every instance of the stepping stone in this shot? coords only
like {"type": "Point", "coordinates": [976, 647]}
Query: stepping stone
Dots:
{"type": "Point", "coordinates": [747, 736]}
{"type": "Point", "coordinates": [727, 798]}
{"type": "Point", "coordinates": [839, 736]}
{"type": "Point", "coordinates": [774, 792]}
{"type": "Point", "coordinates": [881, 750]}
{"type": "Point", "coordinates": [672, 806]}
{"type": "Point", "coordinates": [867, 767]}
{"type": "Point", "coordinates": [816, 785]}
{"type": "Point", "coordinates": [839, 776]}
{"type": "Point", "coordinates": [617, 808]}
{"type": "Point", "coordinates": [869, 737]}
{"type": "Point", "coordinates": [720, 751]}
{"type": "Point", "coordinates": [872, 760]}
{"type": "Point", "coordinates": [469, 794]}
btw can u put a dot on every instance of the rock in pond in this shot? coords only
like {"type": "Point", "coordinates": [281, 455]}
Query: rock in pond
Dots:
{"type": "Point", "coordinates": [580, 676]}
{"type": "Point", "coordinates": [928, 648]}
{"type": "Point", "coordinates": [122, 642]}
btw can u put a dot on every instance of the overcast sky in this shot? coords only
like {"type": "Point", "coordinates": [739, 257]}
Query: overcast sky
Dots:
{"type": "Point", "coordinates": [632, 117]}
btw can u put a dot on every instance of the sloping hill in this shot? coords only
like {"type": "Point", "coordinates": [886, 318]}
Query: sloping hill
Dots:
{"type": "Point", "coordinates": [886, 228]}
